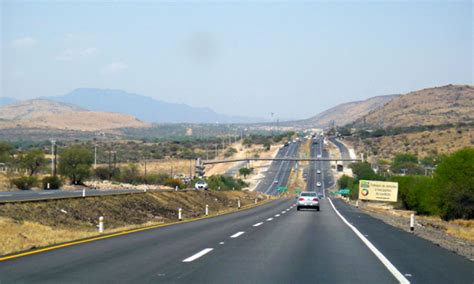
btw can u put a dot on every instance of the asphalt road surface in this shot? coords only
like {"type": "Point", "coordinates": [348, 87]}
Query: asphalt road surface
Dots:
{"type": "Point", "coordinates": [279, 171]}
{"type": "Point", "coordinates": [272, 243]}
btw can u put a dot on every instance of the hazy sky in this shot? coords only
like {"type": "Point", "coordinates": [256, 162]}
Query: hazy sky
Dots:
{"type": "Point", "coordinates": [242, 58]}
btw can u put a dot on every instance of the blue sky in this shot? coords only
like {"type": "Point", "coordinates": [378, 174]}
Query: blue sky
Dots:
{"type": "Point", "coordinates": [294, 59]}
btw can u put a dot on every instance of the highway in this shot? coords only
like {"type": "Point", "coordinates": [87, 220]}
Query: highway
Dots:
{"type": "Point", "coordinates": [272, 243]}
{"type": "Point", "coordinates": [278, 171]}
{"type": "Point", "coordinates": [9, 196]}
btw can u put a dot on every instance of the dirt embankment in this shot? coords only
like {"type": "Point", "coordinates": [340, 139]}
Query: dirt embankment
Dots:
{"type": "Point", "coordinates": [30, 225]}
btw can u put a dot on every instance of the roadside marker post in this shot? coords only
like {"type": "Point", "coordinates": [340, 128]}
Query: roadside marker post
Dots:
{"type": "Point", "coordinates": [238, 203]}
{"type": "Point", "coordinates": [176, 189]}
{"type": "Point", "coordinates": [256, 200]}
{"type": "Point", "coordinates": [412, 222]}
{"type": "Point", "coordinates": [101, 224]}
{"type": "Point", "coordinates": [207, 210]}
{"type": "Point", "coordinates": [83, 192]}
{"type": "Point", "coordinates": [180, 215]}
{"type": "Point", "coordinates": [47, 185]}
{"type": "Point", "coordinates": [357, 203]}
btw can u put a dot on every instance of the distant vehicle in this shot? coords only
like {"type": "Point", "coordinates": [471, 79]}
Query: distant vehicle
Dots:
{"type": "Point", "coordinates": [319, 156]}
{"type": "Point", "coordinates": [315, 141]}
{"type": "Point", "coordinates": [318, 171]}
{"type": "Point", "coordinates": [275, 181]}
{"type": "Point", "coordinates": [320, 196]}
{"type": "Point", "coordinates": [286, 144]}
{"type": "Point", "coordinates": [318, 183]}
{"type": "Point", "coordinates": [308, 200]}
{"type": "Point", "coordinates": [201, 185]}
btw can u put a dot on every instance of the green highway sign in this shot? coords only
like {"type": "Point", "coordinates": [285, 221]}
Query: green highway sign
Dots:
{"type": "Point", "coordinates": [344, 191]}
{"type": "Point", "coordinates": [282, 189]}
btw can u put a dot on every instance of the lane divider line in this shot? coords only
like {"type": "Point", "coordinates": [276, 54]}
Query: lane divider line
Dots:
{"type": "Point", "coordinates": [198, 255]}
{"type": "Point", "coordinates": [277, 215]}
{"type": "Point", "coordinates": [399, 276]}
{"type": "Point", "coordinates": [269, 219]}
{"type": "Point", "coordinates": [258, 224]}
{"type": "Point", "coordinates": [236, 235]}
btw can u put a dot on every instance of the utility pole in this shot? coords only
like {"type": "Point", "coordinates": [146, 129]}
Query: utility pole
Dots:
{"type": "Point", "coordinates": [53, 157]}
{"type": "Point", "coordinates": [145, 171]}
{"type": "Point", "coordinates": [95, 156]}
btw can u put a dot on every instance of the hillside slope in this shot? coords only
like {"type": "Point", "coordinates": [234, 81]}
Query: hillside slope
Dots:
{"type": "Point", "coordinates": [144, 108]}
{"type": "Point", "coordinates": [449, 104]}
{"type": "Point", "coordinates": [343, 113]}
{"type": "Point", "coordinates": [45, 114]}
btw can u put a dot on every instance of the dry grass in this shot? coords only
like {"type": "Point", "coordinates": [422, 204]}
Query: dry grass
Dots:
{"type": "Point", "coordinates": [37, 224]}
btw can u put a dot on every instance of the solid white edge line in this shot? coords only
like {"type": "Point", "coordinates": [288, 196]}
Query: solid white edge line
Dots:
{"type": "Point", "coordinates": [399, 276]}
{"type": "Point", "coordinates": [258, 224]}
{"type": "Point", "coordinates": [198, 255]}
{"type": "Point", "coordinates": [237, 235]}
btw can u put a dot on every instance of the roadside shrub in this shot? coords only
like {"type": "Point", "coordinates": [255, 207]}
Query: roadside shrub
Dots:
{"type": "Point", "coordinates": [54, 182]}
{"type": "Point", "coordinates": [159, 178]}
{"type": "Point", "coordinates": [174, 182]}
{"type": "Point", "coordinates": [230, 152]}
{"type": "Point", "coordinates": [418, 193]}
{"type": "Point", "coordinates": [102, 173]}
{"type": "Point", "coordinates": [25, 182]}
{"type": "Point", "coordinates": [225, 183]}
{"type": "Point", "coordinates": [455, 178]}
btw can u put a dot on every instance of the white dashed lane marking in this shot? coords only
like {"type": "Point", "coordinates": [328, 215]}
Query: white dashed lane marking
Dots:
{"type": "Point", "coordinates": [198, 255]}
{"type": "Point", "coordinates": [237, 235]}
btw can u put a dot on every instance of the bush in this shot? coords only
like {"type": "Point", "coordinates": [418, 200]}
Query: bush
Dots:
{"type": "Point", "coordinates": [25, 182]}
{"type": "Point", "coordinates": [130, 174]}
{"type": "Point", "coordinates": [245, 172]}
{"type": "Point", "coordinates": [230, 152]}
{"type": "Point", "coordinates": [225, 183]}
{"type": "Point", "coordinates": [53, 181]}
{"type": "Point", "coordinates": [102, 173]}
{"type": "Point", "coordinates": [418, 193]}
{"type": "Point", "coordinates": [174, 182]}
{"type": "Point", "coordinates": [159, 178]}
{"type": "Point", "coordinates": [455, 178]}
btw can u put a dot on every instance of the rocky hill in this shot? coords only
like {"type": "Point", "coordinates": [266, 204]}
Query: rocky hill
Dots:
{"type": "Point", "coordinates": [342, 114]}
{"type": "Point", "coordinates": [451, 104]}
{"type": "Point", "coordinates": [46, 114]}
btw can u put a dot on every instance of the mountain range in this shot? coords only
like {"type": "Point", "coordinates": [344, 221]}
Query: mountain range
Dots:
{"type": "Point", "coordinates": [145, 108]}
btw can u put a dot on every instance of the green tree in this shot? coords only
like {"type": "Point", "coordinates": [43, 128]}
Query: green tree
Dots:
{"type": "Point", "coordinates": [407, 163]}
{"type": "Point", "coordinates": [6, 152]}
{"type": "Point", "coordinates": [455, 178]}
{"type": "Point", "coordinates": [267, 146]}
{"type": "Point", "coordinates": [75, 163]}
{"type": "Point", "coordinates": [364, 171]}
{"type": "Point", "coordinates": [32, 160]}
{"type": "Point", "coordinates": [245, 172]}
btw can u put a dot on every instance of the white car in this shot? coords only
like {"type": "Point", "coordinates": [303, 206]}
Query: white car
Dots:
{"type": "Point", "coordinates": [319, 156]}
{"type": "Point", "coordinates": [318, 171]}
{"type": "Point", "coordinates": [275, 181]}
{"type": "Point", "coordinates": [318, 184]}
{"type": "Point", "coordinates": [201, 185]}
{"type": "Point", "coordinates": [308, 200]}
